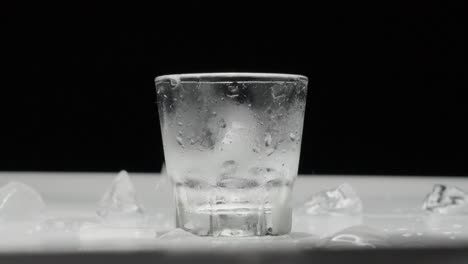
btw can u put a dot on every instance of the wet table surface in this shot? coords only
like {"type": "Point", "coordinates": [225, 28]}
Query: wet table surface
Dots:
{"type": "Point", "coordinates": [392, 221]}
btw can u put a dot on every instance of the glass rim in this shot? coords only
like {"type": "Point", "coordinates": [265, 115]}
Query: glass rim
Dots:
{"type": "Point", "coordinates": [232, 76]}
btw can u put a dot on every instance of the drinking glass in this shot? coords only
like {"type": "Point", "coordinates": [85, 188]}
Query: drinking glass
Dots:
{"type": "Point", "coordinates": [232, 144]}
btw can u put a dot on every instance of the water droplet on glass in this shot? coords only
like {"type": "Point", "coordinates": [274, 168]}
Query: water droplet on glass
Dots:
{"type": "Point", "coordinates": [180, 124]}
{"type": "Point", "coordinates": [232, 90]}
{"type": "Point", "coordinates": [270, 151]}
{"type": "Point", "coordinates": [181, 132]}
{"type": "Point", "coordinates": [229, 167]}
{"type": "Point", "coordinates": [222, 123]}
{"type": "Point", "coordinates": [277, 91]}
{"type": "Point", "coordinates": [292, 136]}
{"type": "Point", "coordinates": [174, 82]}
{"type": "Point", "coordinates": [214, 113]}
{"type": "Point", "coordinates": [180, 141]}
{"type": "Point", "coordinates": [268, 139]}
{"type": "Point", "coordinates": [249, 105]}
{"type": "Point", "coordinates": [192, 142]}
{"type": "Point", "coordinates": [222, 98]}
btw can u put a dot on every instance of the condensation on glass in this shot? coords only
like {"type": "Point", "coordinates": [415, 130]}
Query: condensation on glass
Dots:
{"type": "Point", "coordinates": [232, 144]}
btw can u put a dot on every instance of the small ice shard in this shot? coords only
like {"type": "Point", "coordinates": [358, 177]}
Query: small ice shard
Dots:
{"type": "Point", "coordinates": [20, 203]}
{"type": "Point", "coordinates": [342, 200]}
{"type": "Point", "coordinates": [446, 200]}
{"type": "Point", "coordinates": [119, 203]}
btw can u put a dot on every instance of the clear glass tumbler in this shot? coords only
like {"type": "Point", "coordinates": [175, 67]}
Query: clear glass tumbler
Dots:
{"type": "Point", "coordinates": [232, 144]}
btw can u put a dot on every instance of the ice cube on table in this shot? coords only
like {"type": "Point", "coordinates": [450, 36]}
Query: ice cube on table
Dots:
{"type": "Point", "coordinates": [342, 200]}
{"type": "Point", "coordinates": [20, 203]}
{"type": "Point", "coordinates": [446, 200]}
{"type": "Point", "coordinates": [119, 204]}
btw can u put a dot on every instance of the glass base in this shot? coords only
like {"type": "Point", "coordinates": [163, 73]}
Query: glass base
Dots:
{"type": "Point", "coordinates": [234, 220]}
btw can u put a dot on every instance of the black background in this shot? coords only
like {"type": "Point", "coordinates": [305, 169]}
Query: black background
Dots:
{"type": "Point", "coordinates": [385, 82]}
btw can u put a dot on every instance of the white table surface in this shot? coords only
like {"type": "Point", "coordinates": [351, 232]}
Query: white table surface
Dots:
{"type": "Point", "coordinates": [392, 216]}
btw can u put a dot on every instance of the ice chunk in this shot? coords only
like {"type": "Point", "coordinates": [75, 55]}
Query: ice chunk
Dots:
{"type": "Point", "coordinates": [119, 204]}
{"type": "Point", "coordinates": [446, 200]}
{"type": "Point", "coordinates": [20, 203]}
{"type": "Point", "coordinates": [342, 200]}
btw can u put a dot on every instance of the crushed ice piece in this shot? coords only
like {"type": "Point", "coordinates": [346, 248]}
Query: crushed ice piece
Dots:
{"type": "Point", "coordinates": [342, 200]}
{"type": "Point", "coordinates": [20, 203]}
{"type": "Point", "coordinates": [356, 237]}
{"type": "Point", "coordinates": [119, 203]}
{"type": "Point", "coordinates": [446, 200]}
